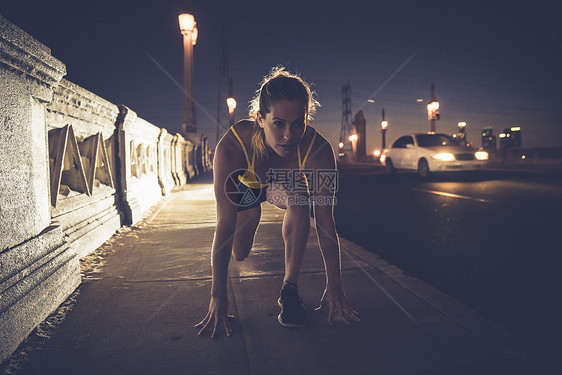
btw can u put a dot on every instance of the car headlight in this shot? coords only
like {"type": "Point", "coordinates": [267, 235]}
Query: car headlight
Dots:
{"type": "Point", "coordinates": [481, 155]}
{"type": "Point", "coordinates": [444, 156]}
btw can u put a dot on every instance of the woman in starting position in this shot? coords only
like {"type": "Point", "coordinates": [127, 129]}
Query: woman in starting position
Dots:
{"type": "Point", "coordinates": [265, 159]}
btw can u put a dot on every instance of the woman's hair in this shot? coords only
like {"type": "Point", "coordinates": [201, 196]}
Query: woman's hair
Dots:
{"type": "Point", "coordinates": [278, 85]}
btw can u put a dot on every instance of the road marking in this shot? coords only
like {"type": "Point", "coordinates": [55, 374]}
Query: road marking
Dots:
{"type": "Point", "coordinates": [451, 195]}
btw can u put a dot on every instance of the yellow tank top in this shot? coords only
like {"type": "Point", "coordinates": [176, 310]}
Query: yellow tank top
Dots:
{"type": "Point", "coordinates": [249, 178]}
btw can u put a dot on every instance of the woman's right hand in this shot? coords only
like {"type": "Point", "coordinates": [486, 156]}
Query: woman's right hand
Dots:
{"type": "Point", "coordinates": [217, 315]}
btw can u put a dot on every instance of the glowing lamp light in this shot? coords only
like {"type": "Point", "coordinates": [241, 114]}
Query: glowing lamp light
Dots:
{"type": "Point", "coordinates": [353, 137]}
{"type": "Point", "coordinates": [515, 129]}
{"type": "Point", "coordinates": [502, 135]}
{"type": "Point", "coordinates": [377, 153]}
{"type": "Point", "coordinates": [462, 124]}
{"type": "Point", "coordinates": [231, 103]}
{"type": "Point", "coordinates": [435, 106]}
{"type": "Point", "coordinates": [384, 124]}
{"type": "Point", "coordinates": [187, 23]}
{"type": "Point", "coordinates": [340, 144]}
{"type": "Point", "coordinates": [194, 34]}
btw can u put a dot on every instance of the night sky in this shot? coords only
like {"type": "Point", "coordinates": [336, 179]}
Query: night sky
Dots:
{"type": "Point", "coordinates": [494, 63]}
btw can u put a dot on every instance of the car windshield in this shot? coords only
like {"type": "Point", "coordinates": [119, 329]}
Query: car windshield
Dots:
{"type": "Point", "coordinates": [432, 140]}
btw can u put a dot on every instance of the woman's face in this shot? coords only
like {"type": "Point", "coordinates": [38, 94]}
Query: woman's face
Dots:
{"type": "Point", "coordinates": [284, 126]}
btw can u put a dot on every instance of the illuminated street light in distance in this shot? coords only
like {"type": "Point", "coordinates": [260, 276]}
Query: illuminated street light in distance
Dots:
{"type": "Point", "coordinates": [187, 23]}
{"type": "Point", "coordinates": [194, 35]}
{"type": "Point", "coordinates": [419, 100]}
{"type": "Point", "coordinates": [384, 124]}
{"type": "Point", "coordinates": [340, 144]}
{"type": "Point", "coordinates": [231, 103]}
{"type": "Point", "coordinates": [462, 124]}
{"type": "Point", "coordinates": [353, 137]}
{"type": "Point", "coordinates": [516, 129]}
{"type": "Point", "coordinates": [377, 153]}
{"type": "Point", "coordinates": [371, 100]}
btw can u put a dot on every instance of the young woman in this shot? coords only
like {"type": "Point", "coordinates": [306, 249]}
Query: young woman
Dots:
{"type": "Point", "coordinates": [277, 157]}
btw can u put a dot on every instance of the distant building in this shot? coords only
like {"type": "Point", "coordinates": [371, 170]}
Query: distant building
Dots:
{"type": "Point", "coordinates": [488, 139]}
{"type": "Point", "coordinates": [510, 138]}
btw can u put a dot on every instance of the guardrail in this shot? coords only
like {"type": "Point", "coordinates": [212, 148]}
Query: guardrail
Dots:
{"type": "Point", "coordinates": [539, 158]}
{"type": "Point", "coordinates": [73, 169]}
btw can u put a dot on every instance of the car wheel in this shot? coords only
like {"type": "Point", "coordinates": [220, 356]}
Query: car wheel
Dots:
{"type": "Point", "coordinates": [423, 168]}
{"type": "Point", "coordinates": [389, 166]}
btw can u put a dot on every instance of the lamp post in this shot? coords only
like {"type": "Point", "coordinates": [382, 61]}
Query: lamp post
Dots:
{"type": "Point", "coordinates": [189, 32]}
{"type": "Point", "coordinates": [231, 103]}
{"type": "Point", "coordinates": [461, 133]}
{"type": "Point", "coordinates": [432, 110]}
{"type": "Point", "coordinates": [353, 139]}
{"type": "Point", "coordinates": [384, 125]}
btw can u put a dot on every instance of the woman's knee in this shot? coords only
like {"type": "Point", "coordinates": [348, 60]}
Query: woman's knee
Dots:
{"type": "Point", "coordinates": [240, 257]}
{"type": "Point", "coordinates": [246, 226]}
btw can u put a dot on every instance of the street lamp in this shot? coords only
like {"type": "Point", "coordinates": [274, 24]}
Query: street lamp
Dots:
{"type": "Point", "coordinates": [353, 139]}
{"type": "Point", "coordinates": [433, 109]}
{"type": "Point", "coordinates": [384, 125]}
{"type": "Point", "coordinates": [461, 135]}
{"type": "Point", "coordinates": [231, 104]}
{"type": "Point", "coordinates": [189, 32]}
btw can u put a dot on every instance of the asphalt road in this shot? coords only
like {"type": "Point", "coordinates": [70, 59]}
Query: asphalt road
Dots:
{"type": "Point", "coordinates": [491, 241]}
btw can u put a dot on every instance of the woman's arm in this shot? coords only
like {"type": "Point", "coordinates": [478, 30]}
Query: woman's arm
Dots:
{"type": "Point", "coordinates": [324, 197]}
{"type": "Point", "coordinates": [224, 163]}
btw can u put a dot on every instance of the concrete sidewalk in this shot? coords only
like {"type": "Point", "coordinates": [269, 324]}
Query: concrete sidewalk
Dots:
{"type": "Point", "coordinates": [144, 290]}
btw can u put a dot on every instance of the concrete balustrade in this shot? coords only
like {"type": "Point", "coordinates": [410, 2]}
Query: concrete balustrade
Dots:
{"type": "Point", "coordinates": [81, 129]}
{"type": "Point", "coordinates": [138, 164]}
{"type": "Point", "coordinates": [165, 158]}
{"type": "Point", "coordinates": [178, 160]}
{"type": "Point", "coordinates": [73, 169]}
{"type": "Point", "coordinates": [189, 158]}
{"type": "Point", "coordinates": [38, 267]}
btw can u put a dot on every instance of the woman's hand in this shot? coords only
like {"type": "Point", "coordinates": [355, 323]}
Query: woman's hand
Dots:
{"type": "Point", "coordinates": [217, 315]}
{"type": "Point", "coordinates": [339, 307]}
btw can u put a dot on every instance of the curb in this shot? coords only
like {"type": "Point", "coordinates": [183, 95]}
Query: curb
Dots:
{"type": "Point", "coordinates": [461, 314]}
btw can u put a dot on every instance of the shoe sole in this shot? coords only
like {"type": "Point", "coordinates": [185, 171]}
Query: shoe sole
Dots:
{"type": "Point", "coordinates": [285, 324]}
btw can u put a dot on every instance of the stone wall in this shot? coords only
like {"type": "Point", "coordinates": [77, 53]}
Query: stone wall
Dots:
{"type": "Point", "coordinates": [73, 169]}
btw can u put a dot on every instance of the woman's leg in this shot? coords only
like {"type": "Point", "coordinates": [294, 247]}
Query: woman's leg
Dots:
{"type": "Point", "coordinates": [246, 224]}
{"type": "Point", "coordinates": [296, 228]}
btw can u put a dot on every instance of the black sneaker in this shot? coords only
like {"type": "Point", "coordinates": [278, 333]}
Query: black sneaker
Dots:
{"type": "Point", "coordinates": [293, 312]}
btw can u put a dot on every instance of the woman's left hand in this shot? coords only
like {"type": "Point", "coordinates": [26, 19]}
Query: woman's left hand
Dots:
{"type": "Point", "coordinates": [339, 307]}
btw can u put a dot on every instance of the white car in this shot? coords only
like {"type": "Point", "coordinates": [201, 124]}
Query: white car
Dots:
{"type": "Point", "coordinates": [431, 152]}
